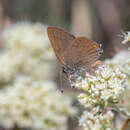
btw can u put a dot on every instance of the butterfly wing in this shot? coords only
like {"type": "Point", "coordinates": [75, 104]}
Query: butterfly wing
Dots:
{"type": "Point", "coordinates": [82, 52]}
{"type": "Point", "coordinates": [60, 40]}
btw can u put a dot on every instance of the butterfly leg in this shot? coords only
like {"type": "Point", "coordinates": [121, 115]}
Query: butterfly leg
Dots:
{"type": "Point", "coordinates": [95, 66]}
{"type": "Point", "coordinates": [61, 83]}
{"type": "Point", "coordinates": [69, 77]}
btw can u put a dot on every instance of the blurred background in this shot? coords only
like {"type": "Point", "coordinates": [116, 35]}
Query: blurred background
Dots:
{"type": "Point", "coordinates": [100, 20]}
{"type": "Point", "coordinates": [25, 21]}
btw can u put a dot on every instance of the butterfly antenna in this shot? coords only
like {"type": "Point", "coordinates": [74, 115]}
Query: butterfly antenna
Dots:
{"type": "Point", "coordinates": [61, 81]}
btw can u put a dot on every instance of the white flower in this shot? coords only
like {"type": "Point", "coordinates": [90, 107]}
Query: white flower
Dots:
{"type": "Point", "coordinates": [105, 88]}
{"type": "Point", "coordinates": [34, 104]}
{"type": "Point", "coordinates": [27, 51]}
{"type": "Point", "coordinates": [95, 121]}
{"type": "Point", "coordinates": [122, 61]}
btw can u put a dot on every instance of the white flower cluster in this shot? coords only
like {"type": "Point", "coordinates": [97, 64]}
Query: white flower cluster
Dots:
{"type": "Point", "coordinates": [122, 61]}
{"type": "Point", "coordinates": [92, 121]}
{"type": "Point", "coordinates": [34, 104]}
{"type": "Point", "coordinates": [105, 88]}
{"type": "Point", "coordinates": [102, 91]}
{"type": "Point", "coordinates": [27, 51]}
{"type": "Point", "coordinates": [28, 99]}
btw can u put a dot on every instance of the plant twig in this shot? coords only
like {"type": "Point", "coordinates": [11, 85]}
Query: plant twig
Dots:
{"type": "Point", "coordinates": [125, 124]}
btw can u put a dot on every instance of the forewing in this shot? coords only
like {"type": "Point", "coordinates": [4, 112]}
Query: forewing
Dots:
{"type": "Point", "coordinates": [60, 40]}
{"type": "Point", "coordinates": [82, 52]}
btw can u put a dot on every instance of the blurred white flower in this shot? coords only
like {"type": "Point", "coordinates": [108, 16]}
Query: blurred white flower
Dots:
{"type": "Point", "coordinates": [96, 121]}
{"type": "Point", "coordinates": [29, 37]}
{"type": "Point", "coordinates": [34, 104]}
{"type": "Point", "coordinates": [27, 51]}
{"type": "Point", "coordinates": [124, 103]}
{"type": "Point", "coordinates": [120, 60]}
{"type": "Point", "coordinates": [126, 37]}
{"type": "Point", "coordinates": [105, 88]}
{"type": "Point", "coordinates": [7, 70]}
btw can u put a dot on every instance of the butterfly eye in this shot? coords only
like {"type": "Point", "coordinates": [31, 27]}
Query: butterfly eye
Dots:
{"type": "Point", "coordinates": [64, 70]}
{"type": "Point", "coordinates": [100, 52]}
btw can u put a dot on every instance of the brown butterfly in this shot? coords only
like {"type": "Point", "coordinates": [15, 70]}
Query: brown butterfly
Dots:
{"type": "Point", "coordinates": [73, 53]}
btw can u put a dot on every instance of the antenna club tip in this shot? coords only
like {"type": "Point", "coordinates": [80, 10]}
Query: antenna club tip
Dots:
{"type": "Point", "coordinates": [62, 91]}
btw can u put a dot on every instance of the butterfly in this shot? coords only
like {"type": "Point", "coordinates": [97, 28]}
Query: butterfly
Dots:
{"type": "Point", "coordinates": [73, 53]}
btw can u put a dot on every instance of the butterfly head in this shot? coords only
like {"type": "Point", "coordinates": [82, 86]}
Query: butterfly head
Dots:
{"type": "Point", "coordinates": [71, 74]}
